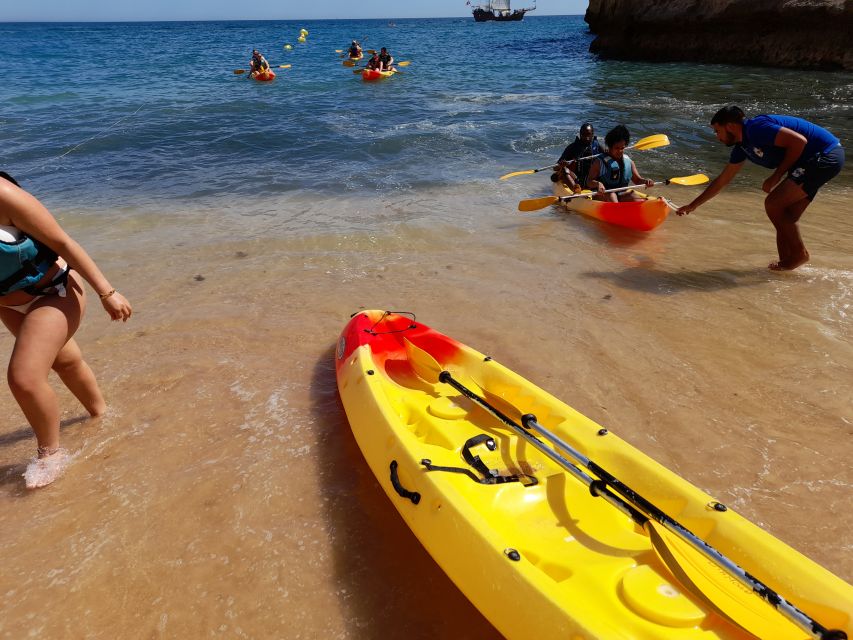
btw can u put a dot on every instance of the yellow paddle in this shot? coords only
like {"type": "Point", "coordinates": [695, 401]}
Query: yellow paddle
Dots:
{"type": "Point", "coordinates": [281, 66]}
{"type": "Point", "coordinates": [706, 572]}
{"type": "Point", "coordinates": [534, 204]}
{"type": "Point", "coordinates": [644, 144]}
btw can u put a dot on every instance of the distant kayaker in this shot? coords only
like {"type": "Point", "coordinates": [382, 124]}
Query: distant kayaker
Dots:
{"type": "Point", "coordinates": [386, 60]}
{"type": "Point", "coordinates": [355, 50]}
{"type": "Point", "coordinates": [258, 64]}
{"type": "Point", "coordinates": [613, 169]}
{"type": "Point", "coordinates": [374, 63]}
{"type": "Point", "coordinates": [810, 155]}
{"type": "Point", "coordinates": [570, 168]}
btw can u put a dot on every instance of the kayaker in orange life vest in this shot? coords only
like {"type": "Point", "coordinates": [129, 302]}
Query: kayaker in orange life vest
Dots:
{"type": "Point", "coordinates": [810, 155]}
{"type": "Point", "coordinates": [386, 60]}
{"type": "Point", "coordinates": [374, 64]}
{"type": "Point", "coordinates": [614, 169]}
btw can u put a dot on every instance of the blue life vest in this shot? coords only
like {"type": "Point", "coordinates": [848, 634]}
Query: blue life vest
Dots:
{"type": "Point", "coordinates": [613, 174]}
{"type": "Point", "coordinates": [23, 263]}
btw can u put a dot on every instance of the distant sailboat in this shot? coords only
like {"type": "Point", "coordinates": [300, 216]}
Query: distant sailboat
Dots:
{"type": "Point", "coordinates": [498, 10]}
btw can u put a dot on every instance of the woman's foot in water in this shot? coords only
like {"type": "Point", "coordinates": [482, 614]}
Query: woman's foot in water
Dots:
{"type": "Point", "coordinates": [47, 467]}
{"type": "Point", "coordinates": [789, 265]}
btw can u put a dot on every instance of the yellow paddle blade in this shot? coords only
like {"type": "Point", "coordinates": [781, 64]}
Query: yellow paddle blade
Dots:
{"type": "Point", "coordinates": [725, 594]}
{"type": "Point", "coordinates": [699, 178]}
{"type": "Point", "coordinates": [651, 142]}
{"type": "Point", "coordinates": [349, 63]}
{"type": "Point", "coordinates": [357, 70]}
{"type": "Point", "coordinates": [404, 63]}
{"type": "Point", "coordinates": [535, 204]}
{"type": "Point", "coordinates": [239, 71]}
{"type": "Point", "coordinates": [339, 50]}
{"type": "Point", "coordinates": [428, 369]}
{"type": "Point", "coordinates": [517, 173]}
{"type": "Point", "coordinates": [423, 364]}
{"type": "Point", "coordinates": [284, 66]}
{"type": "Point", "coordinates": [370, 51]}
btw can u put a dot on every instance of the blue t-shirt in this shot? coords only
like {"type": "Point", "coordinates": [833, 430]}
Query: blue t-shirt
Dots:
{"type": "Point", "coordinates": [759, 137]}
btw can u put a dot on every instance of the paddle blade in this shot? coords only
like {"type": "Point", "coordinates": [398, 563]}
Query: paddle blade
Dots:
{"type": "Point", "coordinates": [404, 63]}
{"type": "Point", "coordinates": [348, 63]}
{"type": "Point", "coordinates": [239, 71]}
{"type": "Point", "coordinates": [424, 365]}
{"type": "Point", "coordinates": [358, 70]}
{"type": "Point", "coordinates": [535, 204]}
{"type": "Point", "coordinates": [727, 596]}
{"type": "Point", "coordinates": [699, 178]}
{"type": "Point", "coordinates": [651, 142]}
{"type": "Point", "coordinates": [371, 51]}
{"type": "Point", "coordinates": [339, 50]}
{"type": "Point", "coordinates": [517, 173]}
{"type": "Point", "coordinates": [284, 66]}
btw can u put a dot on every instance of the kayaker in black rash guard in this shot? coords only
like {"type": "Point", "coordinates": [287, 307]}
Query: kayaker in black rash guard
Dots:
{"type": "Point", "coordinates": [386, 60]}
{"type": "Point", "coordinates": [374, 62]}
{"type": "Point", "coordinates": [570, 168]}
{"type": "Point", "coordinates": [355, 50]}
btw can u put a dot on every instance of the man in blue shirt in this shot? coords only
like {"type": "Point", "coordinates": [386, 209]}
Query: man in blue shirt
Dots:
{"type": "Point", "coordinates": [809, 154]}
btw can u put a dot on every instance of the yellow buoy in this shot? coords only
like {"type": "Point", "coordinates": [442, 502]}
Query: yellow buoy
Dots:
{"type": "Point", "coordinates": [288, 46]}
{"type": "Point", "coordinates": [300, 39]}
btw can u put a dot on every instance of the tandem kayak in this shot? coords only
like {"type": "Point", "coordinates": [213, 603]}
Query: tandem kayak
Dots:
{"type": "Point", "coordinates": [264, 76]}
{"type": "Point", "coordinates": [641, 216]}
{"type": "Point", "coordinates": [539, 546]}
{"type": "Point", "coordinates": [370, 75]}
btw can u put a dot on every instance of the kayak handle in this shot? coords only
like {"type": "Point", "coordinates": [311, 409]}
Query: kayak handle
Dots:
{"type": "Point", "coordinates": [414, 496]}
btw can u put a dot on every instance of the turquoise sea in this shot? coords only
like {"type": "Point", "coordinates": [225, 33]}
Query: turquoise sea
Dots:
{"type": "Point", "coordinates": [135, 113]}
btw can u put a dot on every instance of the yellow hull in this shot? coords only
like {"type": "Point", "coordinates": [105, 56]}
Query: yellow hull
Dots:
{"type": "Point", "coordinates": [547, 560]}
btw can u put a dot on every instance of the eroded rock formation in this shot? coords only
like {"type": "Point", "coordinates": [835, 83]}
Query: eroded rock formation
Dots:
{"type": "Point", "coordinates": [809, 34]}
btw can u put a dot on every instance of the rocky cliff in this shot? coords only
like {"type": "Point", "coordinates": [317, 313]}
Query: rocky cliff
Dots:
{"type": "Point", "coordinates": [808, 34]}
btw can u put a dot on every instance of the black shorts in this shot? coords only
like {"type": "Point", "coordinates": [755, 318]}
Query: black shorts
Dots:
{"type": "Point", "coordinates": [814, 172]}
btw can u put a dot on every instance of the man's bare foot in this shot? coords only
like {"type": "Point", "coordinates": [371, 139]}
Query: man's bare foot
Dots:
{"type": "Point", "coordinates": [789, 265]}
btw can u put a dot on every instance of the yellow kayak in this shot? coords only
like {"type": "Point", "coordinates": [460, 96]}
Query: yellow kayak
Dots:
{"type": "Point", "coordinates": [550, 524]}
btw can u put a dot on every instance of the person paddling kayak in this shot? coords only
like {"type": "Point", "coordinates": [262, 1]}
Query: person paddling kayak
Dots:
{"type": "Point", "coordinates": [258, 64]}
{"type": "Point", "coordinates": [614, 169]}
{"type": "Point", "coordinates": [374, 64]}
{"type": "Point", "coordinates": [810, 156]}
{"type": "Point", "coordinates": [386, 60]}
{"type": "Point", "coordinates": [570, 168]}
{"type": "Point", "coordinates": [355, 52]}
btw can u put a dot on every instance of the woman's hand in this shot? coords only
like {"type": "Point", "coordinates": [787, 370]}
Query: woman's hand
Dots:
{"type": "Point", "coordinates": [117, 306]}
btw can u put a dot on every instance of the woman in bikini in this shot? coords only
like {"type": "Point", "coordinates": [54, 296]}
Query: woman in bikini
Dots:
{"type": "Point", "coordinates": [42, 302]}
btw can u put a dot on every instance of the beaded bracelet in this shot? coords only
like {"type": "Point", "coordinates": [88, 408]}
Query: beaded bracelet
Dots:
{"type": "Point", "coordinates": [104, 296]}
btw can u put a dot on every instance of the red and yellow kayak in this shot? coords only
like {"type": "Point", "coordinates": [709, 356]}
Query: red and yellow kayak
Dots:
{"type": "Point", "coordinates": [369, 75]}
{"type": "Point", "coordinates": [264, 76]}
{"type": "Point", "coordinates": [640, 216]}
{"type": "Point", "coordinates": [538, 552]}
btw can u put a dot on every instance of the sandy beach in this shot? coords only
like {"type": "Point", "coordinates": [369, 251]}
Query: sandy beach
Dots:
{"type": "Point", "coordinates": [224, 494]}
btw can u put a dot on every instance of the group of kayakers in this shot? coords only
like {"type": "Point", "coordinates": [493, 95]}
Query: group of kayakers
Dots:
{"type": "Point", "coordinates": [803, 155]}
{"type": "Point", "coordinates": [584, 164]}
{"type": "Point", "coordinates": [379, 61]}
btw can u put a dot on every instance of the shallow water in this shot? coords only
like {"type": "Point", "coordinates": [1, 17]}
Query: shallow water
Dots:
{"type": "Point", "coordinates": [224, 494]}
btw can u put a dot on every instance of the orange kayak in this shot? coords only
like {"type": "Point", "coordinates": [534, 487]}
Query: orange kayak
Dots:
{"type": "Point", "coordinates": [264, 76]}
{"type": "Point", "coordinates": [644, 215]}
{"type": "Point", "coordinates": [369, 75]}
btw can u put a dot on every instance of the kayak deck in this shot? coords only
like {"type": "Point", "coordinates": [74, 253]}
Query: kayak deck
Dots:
{"type": "Point", "coordinates": [640, 216]}
{"type": "Point", "coordinates": [541, 557]}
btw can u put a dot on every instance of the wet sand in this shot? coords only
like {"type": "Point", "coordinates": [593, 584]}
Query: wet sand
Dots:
{"type": "Point", "coordinates": [224, 494]}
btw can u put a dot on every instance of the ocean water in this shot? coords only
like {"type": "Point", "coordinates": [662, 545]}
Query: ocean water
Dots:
{"type": "Point", "coordinates": [224, 495]}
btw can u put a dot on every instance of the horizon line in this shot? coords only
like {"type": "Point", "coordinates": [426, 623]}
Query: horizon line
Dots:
{"type": "Point", "coordinates": [140, 21]}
